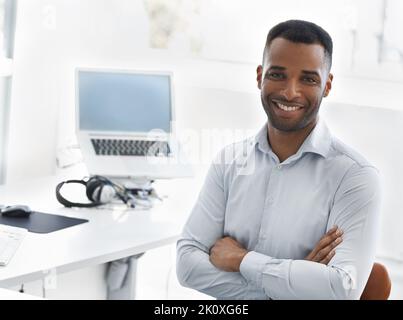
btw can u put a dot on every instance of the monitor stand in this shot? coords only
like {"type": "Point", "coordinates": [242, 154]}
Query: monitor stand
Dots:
{"type": "Point", "coordinates": [136, 183]}
{"type": "Point", "coordinates": [141, 189]}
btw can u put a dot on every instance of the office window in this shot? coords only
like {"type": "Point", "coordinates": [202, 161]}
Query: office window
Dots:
{"type": "Point", "coordinates": [2, 3]}
{"type": "Point", "coordinates": [7, 27]}
{"type": "Point", "coordinates": [390, 39]}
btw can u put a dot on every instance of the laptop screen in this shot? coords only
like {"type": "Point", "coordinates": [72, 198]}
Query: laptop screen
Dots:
{"type": "Point", "coordinates": [125, 102]}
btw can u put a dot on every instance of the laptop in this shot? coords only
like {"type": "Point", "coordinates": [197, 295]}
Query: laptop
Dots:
{"type": "Point", "coordinates": [124, 123]}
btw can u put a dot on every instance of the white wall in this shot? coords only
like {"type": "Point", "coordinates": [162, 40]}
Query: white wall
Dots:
{"type": "Point", "coordinates": [52, 37]}
{"type": "Point", "coordinates": [376, 133]}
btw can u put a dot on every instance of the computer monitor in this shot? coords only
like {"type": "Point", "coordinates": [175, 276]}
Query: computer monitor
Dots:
{"type": "Point", "coordinates": [124, 101]}
{"type": "Point", "coordinates": [124, 123]}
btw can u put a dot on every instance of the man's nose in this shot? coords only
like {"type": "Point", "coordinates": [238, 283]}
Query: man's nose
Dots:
{"type": "Point", "coordinates": [291, 90]}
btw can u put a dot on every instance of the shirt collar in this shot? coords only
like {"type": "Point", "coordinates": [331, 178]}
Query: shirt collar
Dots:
{"type": "Point", "coordinates": [261, 140]}
{"type": "Point", "coordinates": [318, 141]}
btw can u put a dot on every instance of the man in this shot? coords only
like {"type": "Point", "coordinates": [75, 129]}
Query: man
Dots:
{"type": "Point", "coordinates": [303, 223]}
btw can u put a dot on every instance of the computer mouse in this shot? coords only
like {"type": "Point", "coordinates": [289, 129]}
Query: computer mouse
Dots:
{"type": "Point", "coordinates": [19, 211]}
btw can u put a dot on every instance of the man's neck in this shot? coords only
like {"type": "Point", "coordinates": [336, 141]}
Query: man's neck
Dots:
{"type": "Point", "coordinates": [285, 144]}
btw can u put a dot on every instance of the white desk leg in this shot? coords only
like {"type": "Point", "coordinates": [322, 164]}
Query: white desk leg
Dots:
{"type": "Point", "coordinates": [128, 290]}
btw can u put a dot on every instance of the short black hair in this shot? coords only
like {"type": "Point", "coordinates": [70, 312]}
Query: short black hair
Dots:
{"type": "Point", "coordinates": [300, 31]}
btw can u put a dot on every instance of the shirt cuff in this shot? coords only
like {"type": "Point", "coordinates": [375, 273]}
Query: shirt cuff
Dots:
{"type": "Point", "coordinates": [252, 266]}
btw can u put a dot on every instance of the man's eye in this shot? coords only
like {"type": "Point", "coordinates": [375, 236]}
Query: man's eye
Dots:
{"type": "Point", "coordinates": [309, 80]}
{"type": "Point", "coordinates": [275, 75]}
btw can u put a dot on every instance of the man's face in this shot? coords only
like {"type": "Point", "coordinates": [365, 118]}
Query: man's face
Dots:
{"type": "Point", "coordinates": [293, 80]}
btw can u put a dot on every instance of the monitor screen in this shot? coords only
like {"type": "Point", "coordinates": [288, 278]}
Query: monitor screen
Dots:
{"type": "Point", "coordinates": [126, 102]}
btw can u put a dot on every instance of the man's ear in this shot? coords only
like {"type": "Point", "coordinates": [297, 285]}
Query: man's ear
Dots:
{"type": "Point", "coordinates": [259, 72]}
{"type": "Point", "coordinates": [328, 85]}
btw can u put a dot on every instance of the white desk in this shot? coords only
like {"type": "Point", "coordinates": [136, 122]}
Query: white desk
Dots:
{"type": "Point", "coordinates": [14, 295]}
{"type": "Point", "coordinates": [109, 235]}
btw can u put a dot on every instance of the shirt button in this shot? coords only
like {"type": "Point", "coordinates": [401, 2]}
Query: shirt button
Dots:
{"type": "Point", "coordinates": [279, 166]}
{"type": "Point", "coordinates": [270, 200]}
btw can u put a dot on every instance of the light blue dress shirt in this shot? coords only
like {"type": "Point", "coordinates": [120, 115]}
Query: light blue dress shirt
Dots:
{"type": "Point", "coordinates": [279, 212]}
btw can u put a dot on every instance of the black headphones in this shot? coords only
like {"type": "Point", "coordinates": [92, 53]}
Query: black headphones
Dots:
{"type": "Point", "coordinates": [99, 190]}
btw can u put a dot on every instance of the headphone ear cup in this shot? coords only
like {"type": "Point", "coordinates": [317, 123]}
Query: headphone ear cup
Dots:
{"type": "Point", "coordinates": [106, 193]}
{"type": "Point", "coordinates": [92, 185]}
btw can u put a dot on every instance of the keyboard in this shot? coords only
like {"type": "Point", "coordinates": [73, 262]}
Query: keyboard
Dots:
{"type": "Point", "coordinates": [121, 147]}
{"type": "Point", "coordinates": [10, 240]}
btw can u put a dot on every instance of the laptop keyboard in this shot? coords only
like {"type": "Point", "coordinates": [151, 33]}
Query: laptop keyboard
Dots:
{"type": "Point", "coordinates": [120, 147]}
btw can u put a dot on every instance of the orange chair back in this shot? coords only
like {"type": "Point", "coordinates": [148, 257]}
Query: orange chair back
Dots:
{"type": "Point", "coordinates": [379, 285]}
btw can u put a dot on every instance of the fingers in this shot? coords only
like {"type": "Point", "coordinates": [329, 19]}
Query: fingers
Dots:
{"type": "Point", "coordinates": [329, 237]}
{"type": "Point", "coordinates": [323, 253]}
{"type": "Point", "coordinates": [331, 230]}
{"type": "Point", "coordinates": [323, 242]}
{"type": "Point", "coordinates": [328, 257]}
{"type": "Point", "coordinates": [324, 250]}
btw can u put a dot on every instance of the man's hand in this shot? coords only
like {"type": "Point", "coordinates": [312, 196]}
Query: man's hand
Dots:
{"type": "Point", "coordinates": [324, 250]}
{"type": "Point", "coordinates": [227, 254]}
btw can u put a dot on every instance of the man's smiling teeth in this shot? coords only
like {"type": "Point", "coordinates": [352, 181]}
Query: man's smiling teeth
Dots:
{"type": "Point", "coordinates": [287, 108]}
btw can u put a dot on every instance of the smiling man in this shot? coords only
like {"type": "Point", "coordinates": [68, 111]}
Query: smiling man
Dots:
{"type": "Point", "coordinates": [302, 222]}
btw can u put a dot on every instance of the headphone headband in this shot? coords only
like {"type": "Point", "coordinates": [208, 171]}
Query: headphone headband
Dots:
{"type": "Point", "coordinates": [70, 204]}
